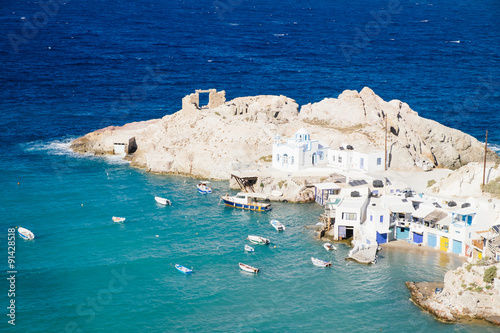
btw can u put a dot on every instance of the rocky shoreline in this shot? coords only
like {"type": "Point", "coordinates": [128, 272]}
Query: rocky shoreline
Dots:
{"type": "Point", "coordinates": [463, 296]}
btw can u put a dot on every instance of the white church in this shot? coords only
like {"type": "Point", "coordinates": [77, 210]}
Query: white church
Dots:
{"type": "Point", "coordinates": [298, 152]}
{"type": "Point", "coordinates": [301, 152]}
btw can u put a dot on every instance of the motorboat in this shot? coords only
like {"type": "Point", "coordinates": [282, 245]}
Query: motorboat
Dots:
{"type": "Point", "coordinates": [204, 188]}
{"type": "Point", "coordinates": [183, 269]}
{"type": "Point", "coordinates": [248, 268]}
{"type": "Point", "coordinates": [118, 219]}
{"type": "Point", "coordinates": [320, 263]}
{"type": "Point", "coordinates": [277, 225]}
{"type": "Point", "coordinates": [163, 201]}
{"type": "Point", "coordinates": [258, 240]}
{"type": "Point", "coordinates": [248, 248]}
{"type": "Point", "coordinates": [25, 233]}
{"type": "Point", "coordinates": [329, 247]}
{"type": "Point", "coordinates": [246, 201]}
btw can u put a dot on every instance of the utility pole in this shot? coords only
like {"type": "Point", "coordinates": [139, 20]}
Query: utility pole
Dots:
{"type": "Point", "coordinates": [485, 151]}
{"type": "Point", "coordinates": [385, 155]}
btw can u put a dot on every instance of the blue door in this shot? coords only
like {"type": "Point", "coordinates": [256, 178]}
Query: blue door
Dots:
{"type": "Point", "coordinates": [432, 240]}
{"type": "Point", "coordinates": [418, 238]}
{"type": "Point", "coordinates": [381, 238]}
{"type": "Point", "coordinates": [457, 247]}
{"type": "Point", "coordinates": [342, 231]}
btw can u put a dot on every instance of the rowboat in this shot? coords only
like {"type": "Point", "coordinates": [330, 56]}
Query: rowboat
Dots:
{"type": "Point", "coordinates": [245, 201]}
{"type": "Point", "coordinates": [25, 233]}
{"type": "Point", "coordinates": [163, 201]}
{"type": "Point", "coordinates": [183, 269]}
{"type": "Point", "coordinates": [320, 263]}
{"type": "Point", "coordinates": [248, 268]}
{"type": "Point", "coordinates": [277, 225]}
{"type": "Point", "coordinates": [258, 240]}
{"type": "Point", "coordinates": [203, 188]}
{"type": "Point", "coordinates": [248, 248]}
{"type": "Point", "coordinates": [118, 219]}
{"type": "Point", "coordinates": [329, 247]}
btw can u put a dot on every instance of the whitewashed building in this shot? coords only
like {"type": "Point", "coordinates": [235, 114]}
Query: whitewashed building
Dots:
{"type": "Point", "coordinates": [350, 159]}
{"type": "Point", "coordinates": [298, 152]}
{"type": "Point", "coordinates": [350, 214]}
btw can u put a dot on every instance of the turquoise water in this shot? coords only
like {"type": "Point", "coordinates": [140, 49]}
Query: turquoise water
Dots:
{"type": "Point", "coordinates": [67, 277]}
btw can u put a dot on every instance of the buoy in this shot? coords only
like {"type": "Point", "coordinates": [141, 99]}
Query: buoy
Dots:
{"type": "Point", "coordinates": [17, 183]}
{"type": "Point", "coordinates": [197, 233]}
{"type": "Point", "coordinates": [274, 246]}
{"type": "Point", "coordinates": [157, 235]}
{"type": "Point", "coordinates": [82, 205]}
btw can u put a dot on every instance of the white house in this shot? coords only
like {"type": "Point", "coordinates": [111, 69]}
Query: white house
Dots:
{"type": "Point", "coordinates": [298, 152]}
{"type": "Point", "coordinates": [349, 159]}
{"type": "Point", "coordinates": [350, 214]}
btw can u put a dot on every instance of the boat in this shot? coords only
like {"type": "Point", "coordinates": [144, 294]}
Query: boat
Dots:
{"type": "Point", "coordinates": [258, 240]}
{"type": "Point", "coordinates": [183, 269]}
{"type": "Point", "coordinates": [320, 263]}
{"type": "Point", "coordinates": [118, 219]}
{"type": "Point", "coordinates": [277, 225]}
{"type": "Point", "coordinates": [25, 233]}
{"type": "Point", "coordinates": [248, 268]}
{"type": "Point", "coordinates": [163, 201]}
{"type": "Point", "coordinates": [329, 247]}
{"type": "Point", "coordinates": [248, 248]}
{"type": "Point", "coordinates": [204, 188]}
{"type": "Point", "coordinates": [246, 201]}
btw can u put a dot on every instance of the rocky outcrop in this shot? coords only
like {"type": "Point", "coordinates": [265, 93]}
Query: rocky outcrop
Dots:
{"type": "Point", "coordinates": [238, 134]}
{"type": "Point", "coordinates": [463, 295]}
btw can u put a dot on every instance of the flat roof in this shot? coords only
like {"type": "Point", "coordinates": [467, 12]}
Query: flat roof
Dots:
{"type": "Point", "coordinates": [401, 207]}
{"type": "Point", "coordinates": [423, 211]}
{"type": "Point", "coordinates": [327, 186]}
{"type": "Point", "coordinates": [465, 211]}
{"type": "Point", "coordinates": [351, 203]}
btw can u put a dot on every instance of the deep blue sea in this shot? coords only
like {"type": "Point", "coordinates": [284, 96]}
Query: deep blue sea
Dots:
{"type": "Point", "coordinates": [71, 67]}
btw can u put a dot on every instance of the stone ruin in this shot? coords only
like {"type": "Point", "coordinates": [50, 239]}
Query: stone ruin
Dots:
{"type": "Point", "coordinates": [215, 99]}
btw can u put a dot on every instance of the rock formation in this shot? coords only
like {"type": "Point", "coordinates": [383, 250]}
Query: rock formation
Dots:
{"type": "Point", "coordinates": [464, 295]}
{"type": "Point", "coordinates": [237, 134]}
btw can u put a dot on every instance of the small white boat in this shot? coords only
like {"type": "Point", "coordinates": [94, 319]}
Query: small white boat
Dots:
{"type": "Point", "coordinates": [320, 263]}
{"type": "Point", "coordinates": [248, 268]}
{"type": "Point", "coordinates": [329, 247]}
{"type": "Point", "coordinates": [258, 240]}
{"type": "Point", "coordinates": [25, 233]}
{"type": "Point", "coordinates": [248, 248]}
{"type": "Point", "coordinates": [277, 225]}
{"type": "Point", "coordinates": [204, 188]}
{"type": "Point", "coordinates": [163, 201]}
{"type": "Point", "coordinates": [183, 269]}
{"type": "Point", "coordinates": [118, 219]}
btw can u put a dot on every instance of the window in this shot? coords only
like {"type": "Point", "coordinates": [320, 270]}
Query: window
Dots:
{"type": "Point", "coordinates": [340, 159]}
{"type": "Point", "coordinates": [381, 218]}
{"type": "Point", "coordinates": [349, 216]}
{"type": "Point", "coordinates": [277, 157]}
{"type": "Point", "coordinates": [292, 160]}
{"type": "Point", "coordinates": [333, 158]}
{"type": "Point", "coordinates": [379, 161]}
{"type": "Point", "coordinates": [371, 217]}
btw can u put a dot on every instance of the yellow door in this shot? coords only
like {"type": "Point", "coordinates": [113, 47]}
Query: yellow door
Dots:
{"type": "Point", "coordinates": [443, 246]}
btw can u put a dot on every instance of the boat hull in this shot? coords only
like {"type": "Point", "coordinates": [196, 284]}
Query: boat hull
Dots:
{"type": "Point", "coordinates": [320, 263]}
{"type": "Point", "coordinates": [183, 269]}
{"type": "Point", "coordinates": [163, 201]}
{"type": "Point", "coordinates": [258, 240]}
{"type": "Point", "coordinates": [259, 207]}
{"type": "Point", "coordinates": [248, 268]}
{"type": "Point", "coordinates": [25, 233]}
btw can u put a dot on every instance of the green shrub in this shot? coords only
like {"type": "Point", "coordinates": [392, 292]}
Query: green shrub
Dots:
{"type": "Point", "coordinates": [489, 274]}
{"type": "Point", "coordinates": [431, 182]}
{"type": "Point", "coordinates": [468, 267]}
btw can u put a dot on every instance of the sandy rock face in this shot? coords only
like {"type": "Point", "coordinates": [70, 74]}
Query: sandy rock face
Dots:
{"type": "Point", "coordinates": [238, 134]}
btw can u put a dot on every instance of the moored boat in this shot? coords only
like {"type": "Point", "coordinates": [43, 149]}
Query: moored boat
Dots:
{"type": "Point", "coordinates": [248, 268]}
{"type": "Point", "coordinates": [320, 263]}
{"type": "Point", "coordinates": [163, 201]}
{"type": "Point", "coordinates": [245, 201]}
{"type": "Point", "coordinates": [183, 269]}
{"type": "Point", "coordinates": [277, 225]}
{"type": "Point", "coordinates": [204, 188]}
{"type": "Point", "coordinates": [118, 219]}
{"type": "Point", "coordinates": [258, 240]}
{"type": "Point", "coordinates": [329, 247]}
{"type": "Point", "coordinates": [25, 233]}
{"type": "Point", "coordinates": [248, 248]}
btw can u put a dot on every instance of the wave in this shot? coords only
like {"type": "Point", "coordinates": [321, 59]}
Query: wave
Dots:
{"type": "Point", "coordinates": [494, 147]}
{"type": "Point", "coordinates": [61, 147]}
